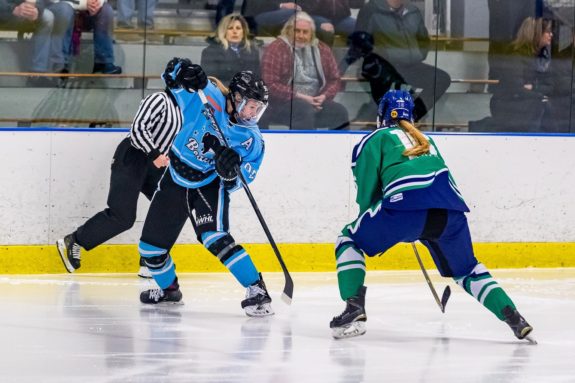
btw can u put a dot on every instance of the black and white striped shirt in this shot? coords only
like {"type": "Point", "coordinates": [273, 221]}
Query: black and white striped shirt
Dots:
{"type": "Point", "coordinates": [155, 125]}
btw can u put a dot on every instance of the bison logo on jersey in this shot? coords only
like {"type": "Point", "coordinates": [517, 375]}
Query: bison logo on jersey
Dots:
{"type": "Point", "coordinates": [210, 142]}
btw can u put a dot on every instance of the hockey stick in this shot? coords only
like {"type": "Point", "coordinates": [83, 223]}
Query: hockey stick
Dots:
{"type": "Point", "coordinates": [446, 293]}
{"type": "Point", "coordinates": [288, 287]}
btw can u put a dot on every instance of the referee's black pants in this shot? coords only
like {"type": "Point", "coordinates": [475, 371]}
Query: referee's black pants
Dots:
{"type": "Point", "coordinates": [132, 173]}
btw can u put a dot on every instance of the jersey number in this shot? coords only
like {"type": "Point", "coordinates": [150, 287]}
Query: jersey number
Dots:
{"type": "Point", "coordinates": [408, 141]}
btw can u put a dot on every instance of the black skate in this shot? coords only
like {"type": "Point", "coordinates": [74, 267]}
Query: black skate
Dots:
{"type": "Point", "coordinates": [155, 296]}
{"type": "Point", "coordinates": [257, 302]}
{"type": "Point", "coordinates": [144, 272]}
{"type": "Point", "coordinates": [69, 251]}
{"type": "Point", "coordinates": [518, 324]}
{"type": "Point", "coordinates": [351, 322]}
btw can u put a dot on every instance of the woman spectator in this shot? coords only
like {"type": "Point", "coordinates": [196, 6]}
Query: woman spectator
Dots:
{"type": "Point", "coordinates": [231, 51]}
{"type": "Point", "coordinates": [521, 101]}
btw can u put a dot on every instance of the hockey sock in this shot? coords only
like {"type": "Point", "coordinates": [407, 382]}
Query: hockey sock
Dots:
{"type": "Point", "coordinates": [160, 264]}
{"type": "Point", "coordinates": [242, 267]}
{"type": "Point", "coordinates": [481, 285]}
{"type": "Point", "coordinates": [350, 266]}
{"type": "Point", "coordinates": [233, 256]}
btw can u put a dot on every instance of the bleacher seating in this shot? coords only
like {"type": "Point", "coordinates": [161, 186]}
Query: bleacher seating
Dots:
{"type": "Point", "coordinates": [180, 31]}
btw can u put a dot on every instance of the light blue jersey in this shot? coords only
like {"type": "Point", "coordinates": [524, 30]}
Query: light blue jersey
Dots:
{"type": "Point", "coordinates": [189, 149]}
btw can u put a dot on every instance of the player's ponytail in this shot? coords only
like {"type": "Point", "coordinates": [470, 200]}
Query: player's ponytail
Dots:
{"type": "Point", "coordinates": [422, 144]}
{"type": "Point", "coordinates": [224, 89]}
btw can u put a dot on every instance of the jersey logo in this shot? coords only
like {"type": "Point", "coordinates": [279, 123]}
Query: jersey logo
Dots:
{"type": "Point", "coordinates": [396, 197]}
{"type": "Point", "coordinates": [204, 219]}
{"type": "Point", "coordinates": [194, 146]}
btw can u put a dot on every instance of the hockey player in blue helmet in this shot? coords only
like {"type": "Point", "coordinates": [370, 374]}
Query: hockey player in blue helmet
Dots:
{"type": "Point", "coordinates": [405, 193]}
{"type": "Point", "coordinates": [394, 106]}
{"type": "Point", "coordinates": [201, 178]}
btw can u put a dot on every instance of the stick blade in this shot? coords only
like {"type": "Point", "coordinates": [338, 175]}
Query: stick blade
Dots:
{"type": "Point", "coordinates": [288, 290]}
{"type": "Point", "coordinates": [445, 298]}
{"type": "Point", "coordinates": [286, 299]}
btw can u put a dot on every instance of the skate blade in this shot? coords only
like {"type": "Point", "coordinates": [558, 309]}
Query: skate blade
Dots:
{"type": "Point", "coordinates": [349, 331]}
{"type": "Point", "coordinates": [144, 273]}
{"type": "Point", "coordinates": [164, 304]}
{"type": "Point", "coordinates": [263, 310]}
{"type": "Point", "coordinates": [531, 340]}
{"type": "Point", "coordinates": [62, 252]}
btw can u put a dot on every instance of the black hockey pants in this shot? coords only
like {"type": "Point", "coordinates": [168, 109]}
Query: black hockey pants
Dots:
{"type": "Point", "coordinates": [132, 173]}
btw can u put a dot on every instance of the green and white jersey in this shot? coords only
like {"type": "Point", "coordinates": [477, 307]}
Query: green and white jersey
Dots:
{"type": "Point", "coordinates": [382, 172]}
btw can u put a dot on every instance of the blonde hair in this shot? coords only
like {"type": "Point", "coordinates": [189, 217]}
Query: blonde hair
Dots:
{"type": "Point", "coordinates": [289, 27]}
{"type": "Point", "coordinates": [225, 24]}
{"type": "Point", "coordinates": [422, 144]}
{"type": "Point", "coordinates": [530, 33]}
{"type": "Point", "coordinates": [216, 81]}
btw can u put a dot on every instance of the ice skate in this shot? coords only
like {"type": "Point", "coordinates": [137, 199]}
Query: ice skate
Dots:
{"type": "Point", "coordinates": [351, 322]}
{"type": "Point", "coordinates": [168, 296]}
{"type": "Point", "coordinates": [144, 272]}
{"type": "Point", "coordinates": [257, 302]}
{"type": "Point", "coordinates": [69, 252]}
{"type": "Point", "coordinates": [518, 324]}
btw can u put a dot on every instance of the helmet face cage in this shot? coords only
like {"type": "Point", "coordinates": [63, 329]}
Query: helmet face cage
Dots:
{"type": "Point", "coordinates": [249, 97]}
{"type": "Point", "coordinates": [394, 105]}
{"type": "Point", "coordinates": [248, 110]}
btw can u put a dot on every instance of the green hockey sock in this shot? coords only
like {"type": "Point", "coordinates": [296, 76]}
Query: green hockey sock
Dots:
{"type": "Point", "coordinates": [481, 285]}
{"type": "Point", "coordinates": [350, 267]}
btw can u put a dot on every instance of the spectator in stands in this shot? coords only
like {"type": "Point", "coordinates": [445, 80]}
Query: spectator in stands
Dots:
{"type": "Point", "coordinates": [505, 18]}
{"type": "Point", "coordinates": [521, 101]}
{"type": "Point", "coordinates": [99, 17]}
{"type": "Point", "coordinates": [269, 16]}
{"type": "Point", "coordinates": [331, 17]}
{"type": "Point", "coordinates": [224, 8]}
{"type": "Point", "coordinates": [562, 103]}
{"type": "Point", "coordinates": [146, 9]}
{"type": "Point", "coordinates": [382, 76]}
{"type": "Point", "coordinates": [401, 38]}
{"type": "Point", "coordinates": [231, 51]}
{"type": "Point", "coordinates": [29, 15]}
{"type": "Point", "coordinates": [302, 76]}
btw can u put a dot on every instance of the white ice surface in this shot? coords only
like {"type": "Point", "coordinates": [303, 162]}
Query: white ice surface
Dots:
{"type": "Point", "coordinates": [92, 328]}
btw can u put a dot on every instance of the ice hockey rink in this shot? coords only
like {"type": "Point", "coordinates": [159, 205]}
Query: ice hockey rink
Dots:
{"type": "Point", "coordinates": [92, 328]}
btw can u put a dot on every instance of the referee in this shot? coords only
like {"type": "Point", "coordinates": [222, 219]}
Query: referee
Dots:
{"type": "Point", "coordinates": [137, 166]}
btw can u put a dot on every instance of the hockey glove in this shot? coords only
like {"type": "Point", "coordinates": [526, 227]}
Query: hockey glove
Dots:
{"type": "Point", "coordinates": [192, 77]}
{"type": "Point", "coordinates": [227, 160]}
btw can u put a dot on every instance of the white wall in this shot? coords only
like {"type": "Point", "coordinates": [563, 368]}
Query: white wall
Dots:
{"type": "Point", "coordinates": [520, 188]}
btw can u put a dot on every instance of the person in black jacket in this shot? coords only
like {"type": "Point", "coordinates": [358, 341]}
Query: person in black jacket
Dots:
{"type": "Point", "coordinates": [521, 101]}
{"type": "Point", "coordinates": [331, 17]}
{"type": "Point", "coordinates": [401, 38]}
{"type": "Point", "coordinates": [269, 16]}
{"type": "Point", "coordinates": [231, 51]}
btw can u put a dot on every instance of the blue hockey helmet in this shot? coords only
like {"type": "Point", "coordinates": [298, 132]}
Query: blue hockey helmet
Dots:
{"type": "Point", "coordinates": [394, 105]}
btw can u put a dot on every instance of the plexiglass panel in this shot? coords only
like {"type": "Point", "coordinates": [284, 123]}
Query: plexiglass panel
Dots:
{"type": "Point", "coordinates": [470, 65]}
